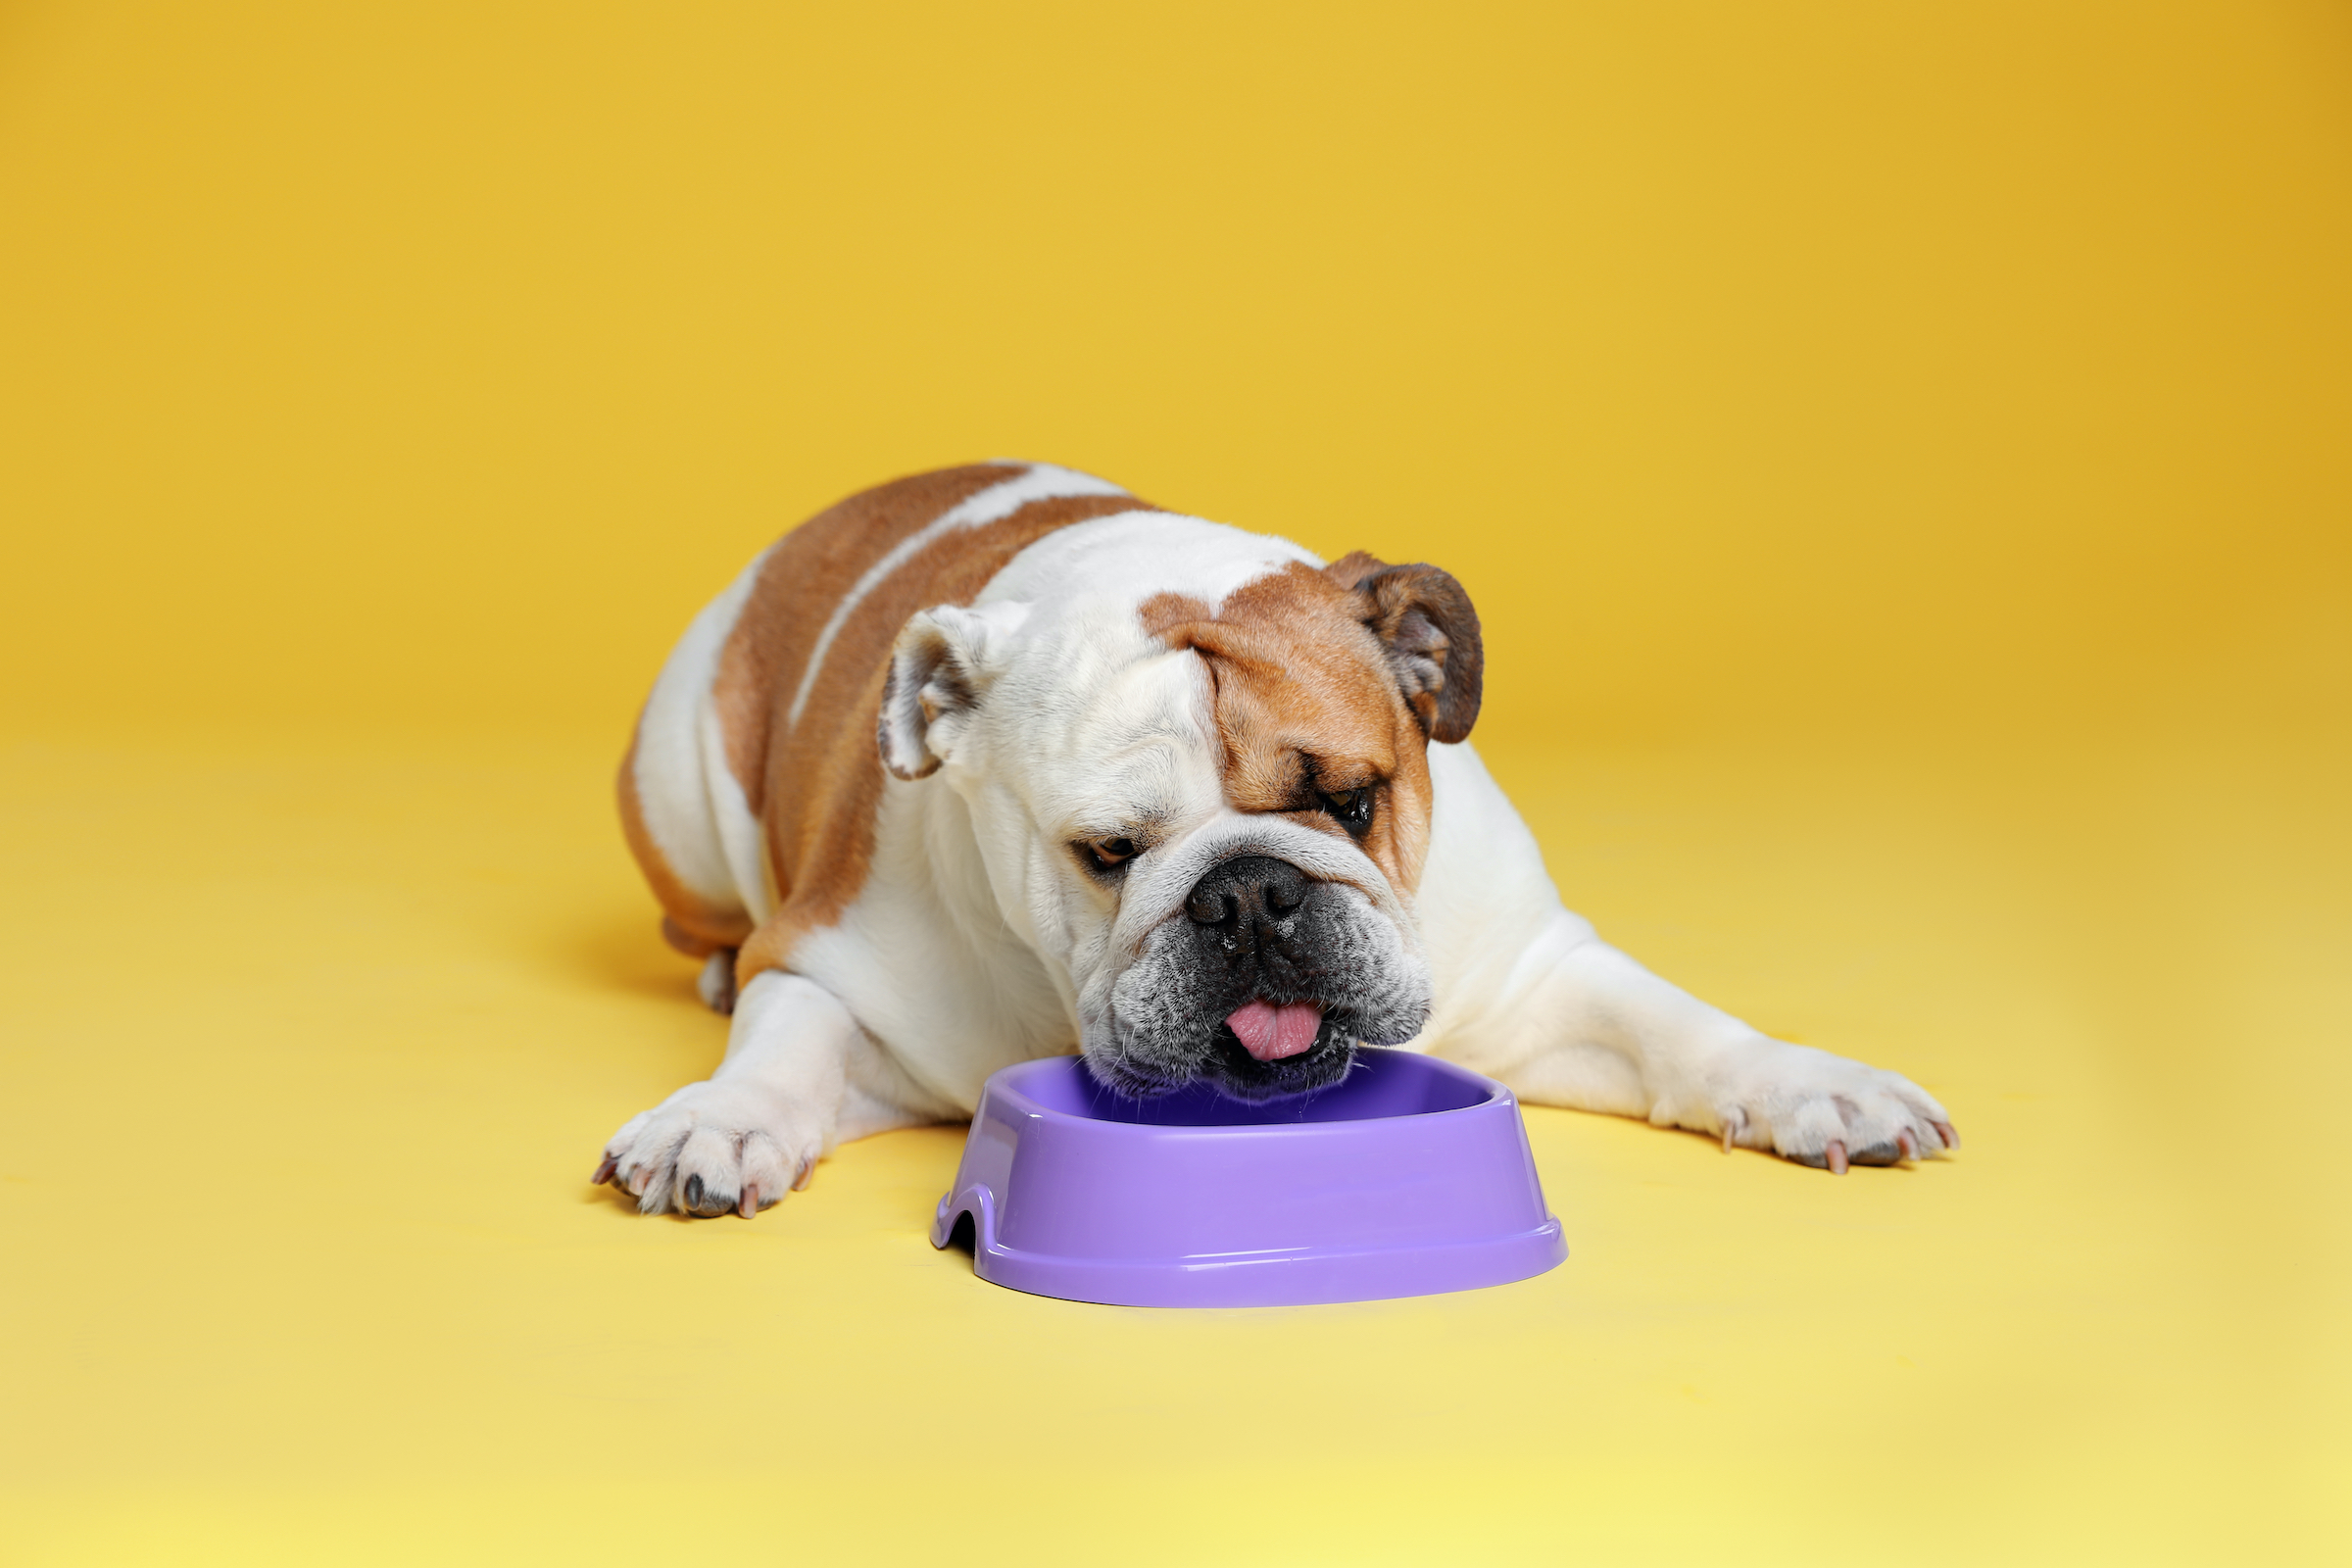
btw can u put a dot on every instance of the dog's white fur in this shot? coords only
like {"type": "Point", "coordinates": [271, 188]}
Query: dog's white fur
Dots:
{"type": "Point", "coordinates": [977, 940]}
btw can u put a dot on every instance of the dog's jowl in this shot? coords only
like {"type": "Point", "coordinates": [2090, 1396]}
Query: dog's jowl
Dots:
{"type": "Point", "coordinates": [1001, 761]}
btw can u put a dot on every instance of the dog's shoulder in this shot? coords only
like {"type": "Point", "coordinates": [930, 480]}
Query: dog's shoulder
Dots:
{"type": "Point", "coordinates": [796, 686]}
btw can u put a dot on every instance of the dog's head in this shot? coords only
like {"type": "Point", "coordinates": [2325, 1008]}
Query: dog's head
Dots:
{"type": "Point", "coordinates": [1207, 813]}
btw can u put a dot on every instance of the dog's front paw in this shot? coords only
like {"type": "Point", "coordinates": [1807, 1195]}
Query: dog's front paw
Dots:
{"type": "Point", "coordinates": [712, 1148]}
{"type": "Point", "coordinates": [1829, 1112]}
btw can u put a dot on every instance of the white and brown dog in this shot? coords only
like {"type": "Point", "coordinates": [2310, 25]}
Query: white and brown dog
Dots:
{"type": "Point", "coordinates": [999, 762]}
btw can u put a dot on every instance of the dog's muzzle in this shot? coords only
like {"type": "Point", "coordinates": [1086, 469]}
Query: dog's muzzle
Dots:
{"type": "Point", "coordinates": [1263, 982]}
{"type": "Point", "coordinates": [1245, 914]}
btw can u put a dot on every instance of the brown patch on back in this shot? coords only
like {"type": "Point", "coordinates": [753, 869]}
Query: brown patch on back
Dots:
{"type": "Point", "coordinates": [816, 785]}
{"type": "Point", "coordinates": [690, 923]}
{"type": "Point", "coordinates": [1307, 704]}
{"type": "Point", "coordinates": [811, 570]}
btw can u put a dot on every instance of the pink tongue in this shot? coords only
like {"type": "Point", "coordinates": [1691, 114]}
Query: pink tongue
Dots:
{"type": "Point", "coordinates": [1270, 1032]}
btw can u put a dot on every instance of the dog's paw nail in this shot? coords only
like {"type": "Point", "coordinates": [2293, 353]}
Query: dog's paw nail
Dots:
{"type": "Point", "coordinates": [800, 1180]}
{"type": "Point", "coordinates": [694, 1192]}
{"type": "Point", "coordinates": [748, 1204]}
{"type": "Point", "coordinates": [1834, 1158]}
{"type": "Point", "coordinates": [1949, 1134]}
{"type": "Point", "coordinates": [1905, 1145]}
{"type": "Point", "coordinates": [604, 1171]}
{"type": "Point", "coordinates": [637, 1180]}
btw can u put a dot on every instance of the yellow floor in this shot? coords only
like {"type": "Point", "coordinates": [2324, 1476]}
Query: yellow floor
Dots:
{"type": "Point", "coordinates": [309, 1048]}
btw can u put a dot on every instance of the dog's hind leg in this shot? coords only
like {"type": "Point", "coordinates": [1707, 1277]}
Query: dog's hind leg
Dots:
{"type": "Point", "coordinates": [717, 983]}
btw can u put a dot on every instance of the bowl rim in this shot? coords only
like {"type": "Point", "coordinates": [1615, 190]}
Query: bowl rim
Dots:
{"type": "Point", "coordinates": [1007, 1081]}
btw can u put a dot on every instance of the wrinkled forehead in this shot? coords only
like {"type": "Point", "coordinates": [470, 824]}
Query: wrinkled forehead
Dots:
{"type": "Point", "coordinates": [1300, 695]}
{"type": "Point", "coordinates": [1127, 728]}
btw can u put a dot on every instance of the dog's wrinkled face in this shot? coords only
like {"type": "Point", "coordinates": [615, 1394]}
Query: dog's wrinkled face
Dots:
{"type": "Point", "coordinates": [1208, 818]}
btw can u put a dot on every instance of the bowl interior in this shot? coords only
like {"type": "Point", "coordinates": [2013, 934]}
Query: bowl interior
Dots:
{"type": "Point", "coordinates": [1382, 1083]}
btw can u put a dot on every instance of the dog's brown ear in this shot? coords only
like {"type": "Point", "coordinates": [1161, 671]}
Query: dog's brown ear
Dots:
{"type": "Point", "coordinates": [1354, 566]}
{"type": "Point", "coordinates": [1425, 620]}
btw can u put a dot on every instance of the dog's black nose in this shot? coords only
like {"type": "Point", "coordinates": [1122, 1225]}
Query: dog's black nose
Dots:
{"type": "Point", "coordinates": [1241, 894]}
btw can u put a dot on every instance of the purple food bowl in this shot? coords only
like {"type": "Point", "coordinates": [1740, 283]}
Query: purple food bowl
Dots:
{"type": "Point", "coordinates": [1411, 1176]}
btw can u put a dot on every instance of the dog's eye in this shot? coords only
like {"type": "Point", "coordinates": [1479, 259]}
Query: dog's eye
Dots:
{"type": "Point", "coordinates": [1108, 855]}
{"type": "Point", "coordinates": [1353, 809]}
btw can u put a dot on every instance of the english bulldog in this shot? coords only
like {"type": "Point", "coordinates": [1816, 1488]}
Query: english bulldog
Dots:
{"type": "Point", "coordinates": [1001, 761]}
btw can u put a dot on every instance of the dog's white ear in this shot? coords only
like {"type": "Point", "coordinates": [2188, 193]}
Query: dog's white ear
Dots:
{"type": "Point", "coordinates": [943, 663]}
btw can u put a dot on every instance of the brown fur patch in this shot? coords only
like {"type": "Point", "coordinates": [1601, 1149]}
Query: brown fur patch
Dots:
{"type": "Point", "coordinates": [811, 570]}
{"type": "Point", "coordinates": [690, 923]}
{"type": "Point", "coordinates": [1305, 706]}
{"type": "Point", "coordinates": [817, 784]}
{"type": "Point", "coordinates": [1354, 567]}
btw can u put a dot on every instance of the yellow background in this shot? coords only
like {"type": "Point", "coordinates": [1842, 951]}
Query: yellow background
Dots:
{"type": "Point", "coordinates": [1900, 454]}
